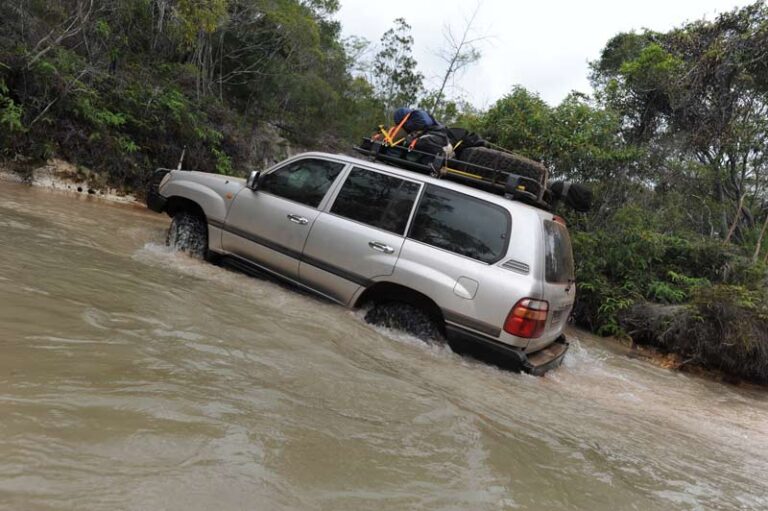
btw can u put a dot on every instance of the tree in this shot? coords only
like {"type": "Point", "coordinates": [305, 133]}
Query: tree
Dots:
{"type": "Point", "coordinates": [396, 79]}
{"type": "Point", "coordinates": [700, 93]}
{"type": "Point", "coordinates": [520, 121]}
{"type": "Point", "coordinates": [459, 52]}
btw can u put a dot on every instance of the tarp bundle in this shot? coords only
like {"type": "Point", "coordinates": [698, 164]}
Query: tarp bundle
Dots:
{"type": "Point", "coordinates": [577, 197]}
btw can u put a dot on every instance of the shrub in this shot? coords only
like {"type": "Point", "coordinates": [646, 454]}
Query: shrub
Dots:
{"type": "Point", "coordinates": [629, 262]}
{"type": "Point", "coordinates": [725, 327]}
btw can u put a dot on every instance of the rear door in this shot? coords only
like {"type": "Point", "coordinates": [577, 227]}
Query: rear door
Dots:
{"type": "Point", "coordinates": [360, 236]}
{"type": "Point", "coordinates": [559, 281]}
{"type": "Point", "coordinates": [270, 226]}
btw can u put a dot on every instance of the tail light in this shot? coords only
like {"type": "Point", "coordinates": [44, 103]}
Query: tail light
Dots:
{"type": "Point", "coordinates": [527, 318]}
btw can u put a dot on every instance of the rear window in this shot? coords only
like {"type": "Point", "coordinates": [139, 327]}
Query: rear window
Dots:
{"type": "Point", "coordinates": [461, 224]}
{"type": "Point", "coordinates": [559, 255]}
{"type": "Point", "coordinates": [376, 199]}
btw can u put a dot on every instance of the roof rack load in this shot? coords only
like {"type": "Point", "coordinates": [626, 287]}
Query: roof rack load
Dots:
{"type": "Point", "coordinates": [525, 189]}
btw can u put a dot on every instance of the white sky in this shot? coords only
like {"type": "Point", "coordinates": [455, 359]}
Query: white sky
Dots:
{"type": "Point", "coordinates": [544, 45]}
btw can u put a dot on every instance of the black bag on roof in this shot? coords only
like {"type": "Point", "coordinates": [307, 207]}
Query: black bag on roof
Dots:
{"type": "Point", "coordinates": [577, 197]}
{"type": "Point", "coordinates": [433, 141]}
{"type": "Point", "coordinates": [464, 139]}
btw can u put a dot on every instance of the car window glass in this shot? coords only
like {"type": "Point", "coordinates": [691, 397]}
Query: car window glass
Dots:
{"type": "Point", "coordinates": [376, 199]}
{"type": "Point", "coordinates": [558, 252]}
{"type": "Point", "coordinates": [305, 181]}
{"type": "Point", "coordinates": [462, 224]}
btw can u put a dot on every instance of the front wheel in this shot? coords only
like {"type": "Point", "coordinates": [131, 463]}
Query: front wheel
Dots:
{"type": "Point", "coordinates": [407, 318]}
{"type": "Point", "coordinates": [188, 233]}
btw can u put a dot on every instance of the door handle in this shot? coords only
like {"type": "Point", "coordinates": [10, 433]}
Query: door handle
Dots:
{"type": "Point", "coordinates": [296, 219]}
{"type": "Point", "coordinates": [381, 247]}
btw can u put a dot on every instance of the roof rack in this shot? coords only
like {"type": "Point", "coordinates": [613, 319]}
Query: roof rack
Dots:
{"type": "Point", "coordinates": [500, 182]}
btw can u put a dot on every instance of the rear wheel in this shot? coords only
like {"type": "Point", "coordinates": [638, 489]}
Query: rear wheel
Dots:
{"type": "Point", "coordinates": [188, 233]}
{"type": "Point", "coordinates": [407, 318]}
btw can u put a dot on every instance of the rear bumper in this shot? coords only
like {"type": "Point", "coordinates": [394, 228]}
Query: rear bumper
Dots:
{"type": "Point", "coordinates": [506, 356]}
{"type": "Point", "coordinates": [155, 201]}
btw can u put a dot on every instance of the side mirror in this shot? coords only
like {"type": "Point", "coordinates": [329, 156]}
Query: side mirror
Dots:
{"type": "Point", "coordinates": [253, 180]}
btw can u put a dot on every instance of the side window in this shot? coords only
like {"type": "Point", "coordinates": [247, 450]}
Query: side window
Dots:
{"type": "Point", "coordinates": [559, 255]}
{"type": "Point", "coordinates": [376, 199]}
{"type": "Point", "coordinates": [304, 181]}
{"type": "Point", "coordinates": [462, 224]}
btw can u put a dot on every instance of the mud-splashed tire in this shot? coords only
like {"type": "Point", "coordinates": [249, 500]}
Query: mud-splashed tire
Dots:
{"type": "Point", "coordinates": [188, 233]}
{"type": "Point", "coordinates": [406, 318]}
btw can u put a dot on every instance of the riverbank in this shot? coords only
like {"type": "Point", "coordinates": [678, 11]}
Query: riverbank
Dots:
{"type": "Point", "coordinates": [61, 176]}
{"type": "Point", "coordinates": [674, 362]}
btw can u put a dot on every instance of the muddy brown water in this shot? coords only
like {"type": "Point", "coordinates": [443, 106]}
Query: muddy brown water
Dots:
{"type": "Point", "coordinates": [135, 378]}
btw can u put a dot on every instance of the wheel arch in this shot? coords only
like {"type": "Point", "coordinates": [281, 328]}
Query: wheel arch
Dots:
{"type": "Point", "coordinates": [210, 203]}
{"type": "Point", "coordinates": [383, 292]}
{"type": "Point", "coordinates": [177, 204]}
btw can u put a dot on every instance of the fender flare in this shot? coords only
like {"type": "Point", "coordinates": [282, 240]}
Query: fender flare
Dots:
{"type": "Point", "coordinates": [210, 202]}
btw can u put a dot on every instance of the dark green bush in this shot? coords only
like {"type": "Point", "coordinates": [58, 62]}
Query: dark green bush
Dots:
{"type": "Point", "coordinates": [629, 262]}
{"type": "Point", "coordinates": [724, 327]}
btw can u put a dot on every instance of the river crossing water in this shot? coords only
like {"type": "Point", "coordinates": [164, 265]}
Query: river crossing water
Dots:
{"type": "Point", "coordinates": [135, 378]}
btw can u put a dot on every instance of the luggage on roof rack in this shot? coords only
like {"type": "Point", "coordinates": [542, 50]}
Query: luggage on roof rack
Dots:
{"type": "Point", "coordinates": [510, 175]}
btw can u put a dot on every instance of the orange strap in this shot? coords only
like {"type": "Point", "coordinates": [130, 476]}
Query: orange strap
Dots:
{"type": "Point", "coordinates": [393, 130]}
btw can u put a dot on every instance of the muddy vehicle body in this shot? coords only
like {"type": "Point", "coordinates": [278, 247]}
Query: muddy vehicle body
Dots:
{"type": "Point", "coordinates": [433, 257]}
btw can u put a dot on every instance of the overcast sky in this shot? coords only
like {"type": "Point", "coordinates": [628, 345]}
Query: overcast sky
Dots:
{"type": "Point", "coordinates": [543, 45]}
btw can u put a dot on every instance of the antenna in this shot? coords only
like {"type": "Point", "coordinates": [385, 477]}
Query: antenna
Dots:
{"type": "Point", "coordinates": [181, 159]}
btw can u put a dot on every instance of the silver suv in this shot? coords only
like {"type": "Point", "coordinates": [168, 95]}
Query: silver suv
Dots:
{"type": "Point", "coordinates": [435, 258]}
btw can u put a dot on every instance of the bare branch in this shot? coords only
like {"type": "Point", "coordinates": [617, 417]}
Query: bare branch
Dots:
{"type": "Point", "coordinates": [71, 27]}
{"type": "Point", "coordinates": [459, 52]}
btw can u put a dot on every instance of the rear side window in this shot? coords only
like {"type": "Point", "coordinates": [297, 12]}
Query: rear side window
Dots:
{"type": "Point", "coordinates": [376, 199]}
{"type": "Point", "coordinates": [461, 224]}
{"type": "Point", "coordinates": [559, 255]}
{"type": "Point", "coordinates": [304, 181]}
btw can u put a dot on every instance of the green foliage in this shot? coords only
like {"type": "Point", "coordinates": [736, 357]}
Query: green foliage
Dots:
{"type": "Point", "coordinates": [395, 77]}
{"type": "Point", "coordinates": [631, 262]}
{"type": "Point", "coordinates": [102, 28]}
{"type": "Point", "coordinates": [197, 18]}
{"type": "Point", "coordinates": [223, 162]}
{"type": "Point", "coordinates": [665, 292]}
{"type": "Point", "coordinates": [727, 330]}
{"type": "Point", "coordinates": [133, 84]}
{"type": "Point", "coordinates": [735, 295]}
{"type": "Point", "coordinates": [652, 68]}
{"type": "Point", "coordinates": [10, 112]}
{"type": "Point", "coordinates": [127, 145]}
{"type": "Point", "coordinates": [98, 117]}
{"type": "Point", "coordinates": [696, 99]}
{"type": "Point", "coordinates": [520, 121]}
{"type": "Point", "coordinates": [577, 139]}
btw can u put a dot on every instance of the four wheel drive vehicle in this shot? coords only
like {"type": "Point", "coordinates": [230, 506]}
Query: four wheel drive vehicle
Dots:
{"type": "Point", "coordinates": [435, 258]}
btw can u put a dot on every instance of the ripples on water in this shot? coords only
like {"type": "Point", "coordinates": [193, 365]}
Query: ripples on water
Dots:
{"type": "Point", "coordinates": [135, 378]}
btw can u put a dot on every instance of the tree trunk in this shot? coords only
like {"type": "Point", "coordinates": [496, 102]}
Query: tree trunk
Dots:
{"type": "Point", "coordinates": [735, 219]}
{"type": "Point", "coordinates": [760, 240]}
